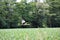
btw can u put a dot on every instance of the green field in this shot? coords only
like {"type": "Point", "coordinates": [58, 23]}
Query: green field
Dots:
{"type": "Point", "coordinates": [30, 34]}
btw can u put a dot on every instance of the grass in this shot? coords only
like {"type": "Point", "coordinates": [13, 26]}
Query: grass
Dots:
{"type": "Point", "coordinates": [30, 34]}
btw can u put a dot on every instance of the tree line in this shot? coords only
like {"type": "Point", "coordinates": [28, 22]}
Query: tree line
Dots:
{"type": "Point", "coordinates": [36, 14]}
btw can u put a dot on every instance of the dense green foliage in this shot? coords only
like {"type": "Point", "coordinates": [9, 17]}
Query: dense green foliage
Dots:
{"type": "Point", "coordinates": [54, 11]}
{"type": "Point", "coordinates": [34, 13]}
